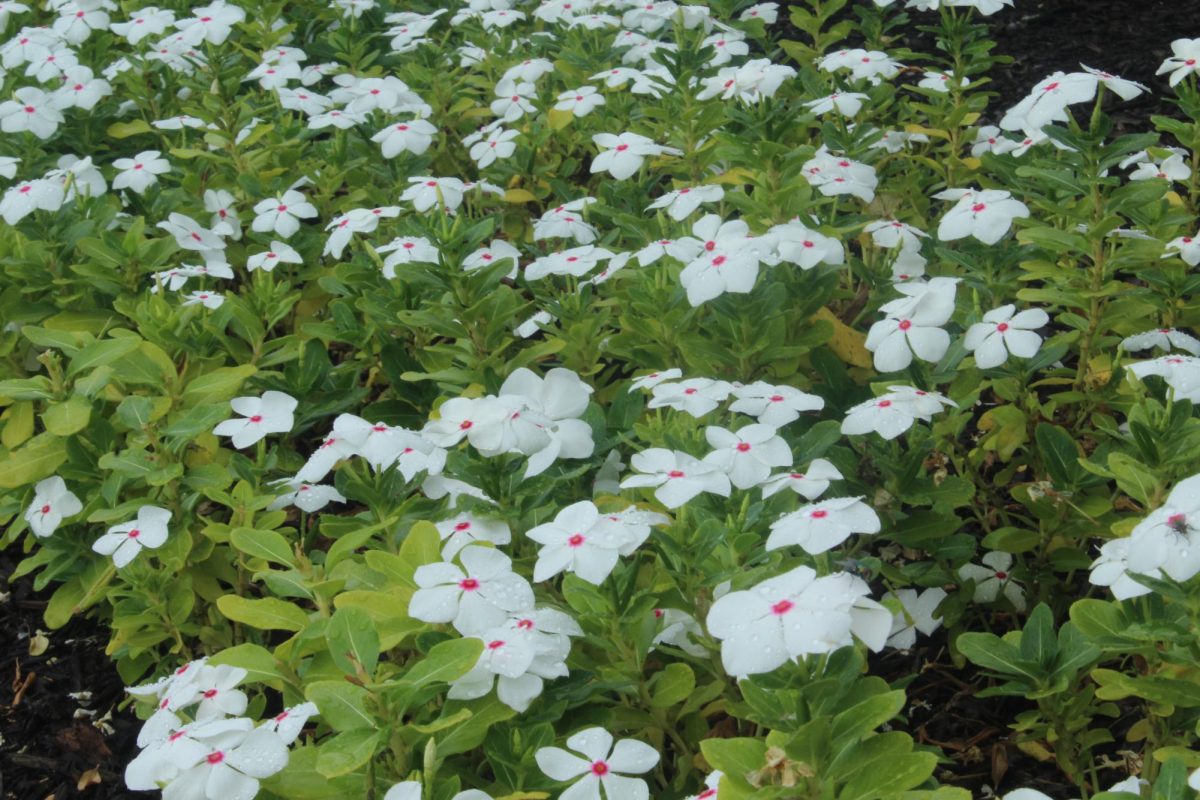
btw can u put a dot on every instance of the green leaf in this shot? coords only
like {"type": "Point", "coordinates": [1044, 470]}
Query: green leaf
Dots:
{"type": "Point", "coordinates": [347, 751]}
{"type": "Point", "coordinates": [38, 458]}
{"type": "Point", "coordinates": [79, 593]}
{"type": "Point", "coordinates": [861, 719]}
{"type": "Point", "coordinates": [260, 665]}
{"type": "Point", "coordinates": [1172, 782]}
{"type": "Point", "coordinates": [353, 641]}
{"type": "Point", "coordinates": [103, 352]}
{"type": "Point", "coordinates": [445, 662]}
{"type": "Point", "coordinates": [217, 386]}
{"type": "Point", "coordinates": [1039, 645]}
{"type": "Point", "coordinates": [268, 545]}
{"type": "Point", "coordinates": [485, 715]}
{"type": "Point", "coordinates": [1059, 453]}
{"type": "Point", "coordinates": [268, 613]}
{"type": "Point", "coordinates": [672, 685]}
{"type": "Point", "coordinates": [992, 652]}
{"type": "Point", "coordinates": [737, 757]}
{"type": "Point", "coordinates": [343, 705]}
{"type": "Point", "coordinates": [68, 417]}
{"type": "Point", "coordinates": [1133, 477]}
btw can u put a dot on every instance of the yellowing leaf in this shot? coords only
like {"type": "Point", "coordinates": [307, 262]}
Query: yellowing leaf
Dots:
{"type": "Point", "coordinates": [519, 196]}
{"type": "Point", "coordinates": [1174, 199]}
{"type": "Point", "coordinates": [932, 133]}
{"type": "Point", "coordinates": [846, 343]}
{"type": "Point", "coordinates": [560, 119]}
{"type": "Point", "coordinates": [972, 162]}
{"type": "Point", "coordinates": [735, 177]}
{"type": "Point", "coordinates": [123, 130]}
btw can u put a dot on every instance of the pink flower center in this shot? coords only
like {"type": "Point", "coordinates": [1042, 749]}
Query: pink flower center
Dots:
{"type": "Point", "coordinates": [495, 645]}
{"type": "Point", "coordinates": [281, 716]}
{"type": "Point", "coordinates": [256, 418]}
{"type": "Point", "coordinates": [884, 403]}
{"type": "Point", "coordinates": [525, 624]}
{"type": "Point", "coordinates": [905, 324]}
{"type": "Point", "coordinates": [620, 149]}
{"type": "Point", "coordinates": [675, 473]}
{"type": "Point", "coordinates": [576, 540]}
{"type": "Point", "coordinates": [743, 447]}
{"type": "Point", "coordinates": [782, 607]}
{"type": "Point", "coordinates": [719, 260]}
{"type": "Point", "coordinates": [599, 769]}
{"type": "Point", "coordinates": [465, 425]}
{"type": "Point", "coordinates": [978, 207]}
{"type": "Point", "coordinates": [820, 513]}
{"type": "Point", "coordinates": [46, 508]}
{"type": "Point", "coordinates": [462, 526]}
{"type": "Point", "coordinates": [210, 694]}
{"type": "Point", "coordinates": [1002, 327]}
{"type": "Point", "coordinates": [135, 533]}
{"type": "Point", "coordinates": [776, 398]}
{"type": "Point", "coordinates": [468, 584]}
{"type": "Point", "coordinates": [215, 758]}
{"type": "Point", "coordinates": [1002, 575]}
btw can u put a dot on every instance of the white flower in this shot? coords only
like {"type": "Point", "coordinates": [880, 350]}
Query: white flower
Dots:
{"type": "Point", "coordinates": [1163, 338]}
{"type": "Point", "coordinates": [465, 529]}
{"type": "Point", "coordinates": [678, 477]}
{"type": "Point", "coordinates": [824, 525]}
{"type": "Point", "coordinates": [427, 192]}
{"type": "Point", "coordinates": [1171, 168]}
{"type": "Point", "coordinates": [1111, 569]}
{"type": "Point", "coordinates": [987, 215]}
{"type": "Point", "coordinates": [696, 396]}
{"type": "Point", "coordinates": [407, 250]}
{"type": "Point", "coordinates": [270, 413]}
{"type": "Point", "coordinates": [838, 175]}
{"type": "Point", "coordinates": [895, 341]}
{"type": "Point", "coordinates": [581, 101]}
{"type": "Point", "coordinates": [496, 251]}
{"type": "Point", "coordinates": [200, 297]}
{"type": "Point", "coordinates": [282, 214]}
{"type": "Point", "coordinates": [579, 540]}
{"type": "Point", "coordinates": [653, 379]}
{"type": "Point", "coordinates": [713, 781]}
{"type": "Point", "coordinates": [1169, 537]}
{"type": "Point", "coordinates": [307, 497]}
{"type": "Point", "coordinates": [288, 723]}
{"type": "Point", "coordinates": [32, 110]}
{"type": "Point", "coordinates": [682, 203]}
{"type": "Point", "coordinates": [29, 196]}
{"type": "Point", "coordinates": [774, 405]}
{"type": "Point", "coordinates": [678, 628]}
{"type": "Point", "coordinates": [728, 261]}
{"type": "Point", "coordinates": [892, 233]}
{"type": "Point", "coordinates": [140, 172]}
{"type": "Point", "coordinates": [123, 542]}
{"type": "Point", "coordinates": [810, 484]}
{"type": "Point", "coordinates": [498, 144]}
{"type": "Point", "coordinates": [565, 222]}
{"type": "Point", "coordinates": [1184, 60]}
{"type": "Point", "coordinates": [890, 414]}
{"type": "Point", "coordinates": [848, 104]}
{"type": "Point", "coordinates": [552, 405]}
{"type": "Point", "coordinates": [1047, 101]}
{"type": "Point", "coordinates": [219, 759]}
{"type": "Point", "coordinates": [190, 235]}
{"type": "Point", "coordinates": [280, 253]}
{"type": "Point", "coordinates": [413, 137]}
{"type": "Point", "coordinates": [994, 578]}
{"type": "Point", "coordinates": [916, 614]}
{"type": "Point", "coordinates": [1181, 373]}
{"type": "Point", "coordinates": [52, 503]}
{"type": "Point", "coordinates": [796, 244]}
{"type": "Point", "coordinates": [748, 455]}
{"type": "Point", "coordinates": [212, 23]}
{"type": "Point", "coordinates": [939, 81]}
{"type": "Point", "coordinates": [794, 615]}
{"type": "Point", "coordinates": [621, 155]}
{"type": "Point", "coordinates": [603, 765]}
{"type": "Point", "coordinates": [1187, 247]}
{"type": "Point", "coordinates": [1003, 332]}
{"type": "Point", "coordinates": [475, 597]}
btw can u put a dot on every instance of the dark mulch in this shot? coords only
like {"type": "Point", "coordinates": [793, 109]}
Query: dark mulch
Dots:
{"type": "Point", "coordinates": [51, 743]}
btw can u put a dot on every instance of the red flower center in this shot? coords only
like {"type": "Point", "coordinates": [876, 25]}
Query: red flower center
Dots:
{"type": "Point", "coordinates": [743, 447]}
{"type": "Point", "coordinates": [468, 584]}
{"type": "Point", "coordinates": [599, 769]}
{"type": "Point", "coordinates": [133, 534]}
{"type": "Point", "coordinates": [215, 758]}
{"type": "Point", "coordinates": [462, 526]}
{"type": "Point", "coordinates": [256, 418]}
{"type": "Point", "coordinates": [576, 540]}
{"type": "Point", "coordinates": [495, 645]}
{"type": "Point", "coordinates": [1002, 575]}
{"type": "Point", "coordinates": [884, 403]}
{"type": "Point", "coordinates": [978, 207]}
{"type": "Point", "coordinates": [820, 513]}
{"type": "Point", "coordinates": [782, 607]}
{"type": "Point", "coordinates": [46, 508]}
{"type": "Point", "coordinates": [1002, 327]}
{"type": "Point", "coordinates": [210, 694]}
{"type": "Point", "coordinates": [776, 398]}
{"type": "Point", "coordinates": [465, 424]}
{"type": "Point", "coordinates": [525, 624]}
{"type": "Point", "coordinates": [675, 473]}
{"type": "Point", "coordinates": [622, 148]}
{"type": "Point", "coordinates": [905, 324]}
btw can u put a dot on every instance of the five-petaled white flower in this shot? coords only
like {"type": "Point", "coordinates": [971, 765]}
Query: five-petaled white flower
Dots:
{"type": "Point", "coordinates": [602, 765]}
{"type": "Point", "coordinates": [123, 542]}
{"type": "Point", "coordinates": [140, 172]}
{"type": "Point", "coordinates": [474, 597]}
{"type": "Point", "coordinates": [987, 215]}
{"type": "Point", "coordinates": [1004, 332]}
{"type": "Point", "coordinates": [270, 413]}
{"type": "Point", "coordinates": [282, 214]}
{"type": "Point", "coordinates": [994, 578]}
{"type": "Point", "coordinates": [52, 503]}
{"type": "Point", "coordinates": [747, 455]}
{"type": "Point", "coordinates": [824, 525]}
{"type": "Point", "coordinates": [678, 477]}
{"type": "Point", "coordinates": [621, 155]}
